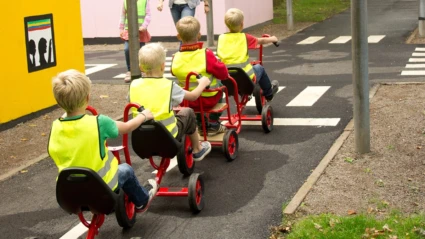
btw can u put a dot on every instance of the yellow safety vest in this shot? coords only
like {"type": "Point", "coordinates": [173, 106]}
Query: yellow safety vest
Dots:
{"type": "Point", "coordinates": [232, 49]}
{"type": "Point", "coordinates": [76, 143]}
{"type": "Point", "coordinates": [187, 61]}
{"type": "Point", "coordinates": [155, 94]}
{"type": "Point", "coordinates": [141, 12]}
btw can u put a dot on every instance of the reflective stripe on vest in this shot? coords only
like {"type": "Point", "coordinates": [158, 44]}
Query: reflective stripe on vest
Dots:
{"type": "Point", "coordinates": [76, 143]}
{"type": "Point", "coordinates": [141, 12]}
{"type": "Point", "coordinates": [232, 49]}
{"type": "Point", "coordinates": [155, 94]}
{"type": "Point", "coordinates": [187, 61]}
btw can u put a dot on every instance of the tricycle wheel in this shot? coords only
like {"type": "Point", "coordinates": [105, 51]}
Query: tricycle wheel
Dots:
{"type": "Point", "coordinates": [267, 118]}
{"type": "Point", "coordinates": [125, 211]}
{"type": "Point", "coordinates": [258, 100]}
{"type": "Point", "coordinates": [230, 145]}
{"type": "Point", "coordinates": [185, 157]}
{"type": "Point", "coordinates": [196, 192]}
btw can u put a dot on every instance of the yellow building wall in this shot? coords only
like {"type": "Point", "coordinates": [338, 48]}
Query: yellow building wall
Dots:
{"type": "Point", "coordinates": [23, 92]}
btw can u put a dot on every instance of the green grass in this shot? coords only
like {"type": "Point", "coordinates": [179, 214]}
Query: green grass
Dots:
{"type": "Point", "coordinates": [309, 10]}
{"type": "Point", "coordinates": [355, 226]}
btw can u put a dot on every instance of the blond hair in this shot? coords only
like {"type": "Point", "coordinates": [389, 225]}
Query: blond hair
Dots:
{"type": "Point", "coordinates": [151, 57]}
{"type": "Point", "coordinates": [234, 19]}
{"type": "Point", "coordinates": [71, 89]}
{"type": "Point", "coordinates": [188, 29]}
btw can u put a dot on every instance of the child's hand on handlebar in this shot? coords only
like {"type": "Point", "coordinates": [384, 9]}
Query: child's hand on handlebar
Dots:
{"type": "Point", "coordinates": [147, 114]}
{"type": "Point", "coordinates": [204, 81]}
{"type": "Point", "coordinates": [273, 38]}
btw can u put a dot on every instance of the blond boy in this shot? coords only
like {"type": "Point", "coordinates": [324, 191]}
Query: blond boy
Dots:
{"type": "Point", "coordinates": [79, 140]}
{"type": "Point", "coordinates": [161, 95]}
{"type": "Point", "coordinates": [232, 49]}
{"type": "Point", "coordinates": [192, 57]}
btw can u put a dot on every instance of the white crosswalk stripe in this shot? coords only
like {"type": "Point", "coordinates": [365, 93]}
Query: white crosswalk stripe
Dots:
{"type": "Point", "coordinates": [92, 68]}
{"type": "Point", "coordinates": [309, 96]}
{"type": "Point", "coordinates": [415, 66]}
{"type": "Point", "coordinates": [339, 40]}
{"type": "Point", "coordinates": [310, 40]}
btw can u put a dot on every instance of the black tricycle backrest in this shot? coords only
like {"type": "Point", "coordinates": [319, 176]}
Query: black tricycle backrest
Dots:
{"type": "Point", "coordinates": [153, 139]}
{"type": "Point", "coordinates": [245, 84]}
{"type": "Point", "coordinates": [81, 189]}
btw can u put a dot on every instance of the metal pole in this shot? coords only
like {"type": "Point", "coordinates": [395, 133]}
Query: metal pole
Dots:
{"type": "Point", "coordinates": [289, 17]}
{"type": "Point", "coordinates": [360, 75]}
{"type": "Point", "coordinates": [421, 24]}
{"type": "Point", "coordinates": [133, 38]}
{"type": "Point", "coordinates": [210, 26]}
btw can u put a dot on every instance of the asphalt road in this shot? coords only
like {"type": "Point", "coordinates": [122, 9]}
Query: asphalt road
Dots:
{"type": "Point", "coordinates": [244, 197]}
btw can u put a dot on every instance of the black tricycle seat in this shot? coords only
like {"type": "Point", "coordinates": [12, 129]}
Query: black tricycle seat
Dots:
{"type": "Point", "coordinates": [153, 139]}
{"type": "Point", "coordinates": [244, 83]}
{"type": "Point", "coordinates": [82, 189]}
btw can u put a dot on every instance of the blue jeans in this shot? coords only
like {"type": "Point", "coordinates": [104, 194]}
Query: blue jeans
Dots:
{"type": "Point", "coordinates": [178, 11]}
{"type": "Point", "coordinates": [127, 54]}
{"type": "Point", "coordinates": [263, 79]}
{"type": "Point", "coordinates": [128, 182]}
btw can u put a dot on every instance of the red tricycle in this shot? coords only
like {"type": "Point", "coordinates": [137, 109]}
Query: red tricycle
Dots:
{"type": "Point", "coordinates": [82, 189]}
{"type": "Point", "coordinates": [242, 88]}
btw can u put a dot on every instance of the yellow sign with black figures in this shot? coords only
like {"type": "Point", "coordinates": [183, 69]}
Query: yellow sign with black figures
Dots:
{"type": "Point", "coordinates": [38, 40]}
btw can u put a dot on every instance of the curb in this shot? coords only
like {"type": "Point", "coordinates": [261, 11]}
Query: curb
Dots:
{"type": "Point", "coordinates": [14, 171]}
{"type": "Point", "coordinates": [318, 171]}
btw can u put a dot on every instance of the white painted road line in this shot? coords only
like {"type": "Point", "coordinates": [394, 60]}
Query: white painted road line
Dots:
{"type": "Point", "coordinates": [251, 102]}
{"type": "Point", "coordinates": [420, 49]}
{"type": "Point", "coordinates": [416, 59]}
{"type": "Point", "coordinates": [418, 54]}
{"type": "Point", "coordinates": [75, 232]}
{"type": "Point", "coordinates": [415, 65]}
{"type": "Point", "coordinates": [308, 96]}
{"type": "Point", "coordinates": [413, 73]}
{"type": "Point", "coordinates": [119, 76]}
{"type": "Point", "coordinates": [375, 38]}
{"type": "Point", "coordinates": [122, 76]}
{"type": "Point", "coordinates": [297, 122]}
{"type": "Point", "coordinates": [173, 163]}
{"type": "Point", "coordinates": [341, 40]}
{"type": "Point", "coordinates": [310, 40]}
{"type": "Point", "coordinates": [97, 67]}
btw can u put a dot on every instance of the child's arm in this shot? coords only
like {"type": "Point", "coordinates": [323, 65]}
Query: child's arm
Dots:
{"type": "Point", "coordinates": [127, 127]}
{"type": "Point", "coordinates": [195, 93]}
{"type": "Point", "coordinates": [215, 67]}
{"type": "Point", "coordinates": [265, 40]}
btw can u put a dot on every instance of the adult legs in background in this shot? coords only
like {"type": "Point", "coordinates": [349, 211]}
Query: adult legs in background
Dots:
{"type": "Point", "coordinates": [178, 11]}
{"type": "Point", "coordinates": [127, 59]}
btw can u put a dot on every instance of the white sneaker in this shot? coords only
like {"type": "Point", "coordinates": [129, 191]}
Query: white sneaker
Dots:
{"type": "Point", "coordinates": [152, 187]}
{"type": "Point", "coordinates": [127, 77]}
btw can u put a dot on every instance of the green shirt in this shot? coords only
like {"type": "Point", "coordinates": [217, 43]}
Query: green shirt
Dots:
{"type": "Point", "coordinates": [107, 129]}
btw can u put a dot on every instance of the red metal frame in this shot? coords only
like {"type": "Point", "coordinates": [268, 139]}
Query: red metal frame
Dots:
{"type": "Point", "coordinates": [98, 219]}
{"type": "Point", "coordinates": [234, 120]}
{"type": "Point", "coordinates": [161, 168]}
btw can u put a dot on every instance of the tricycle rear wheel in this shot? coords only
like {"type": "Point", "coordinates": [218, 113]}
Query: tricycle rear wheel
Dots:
{"type": "Point", "coordinates": [196, 192]}
{"type": "Point", "coordinates": [125, 211]}
{"type": "Point", "coordinates": [185, 157]}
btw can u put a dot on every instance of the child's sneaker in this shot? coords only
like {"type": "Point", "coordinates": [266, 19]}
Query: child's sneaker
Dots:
{"type": "Point", "coordinates": [127, 77]}
{"type": "Point", "coordinates": [216, 128]}
{"type": "Point", "coordinates": [206, 149]}
{"type": "Point", "coordinates": [275, 88]}
{"type": "Point", "coordinates": [152, 187]}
